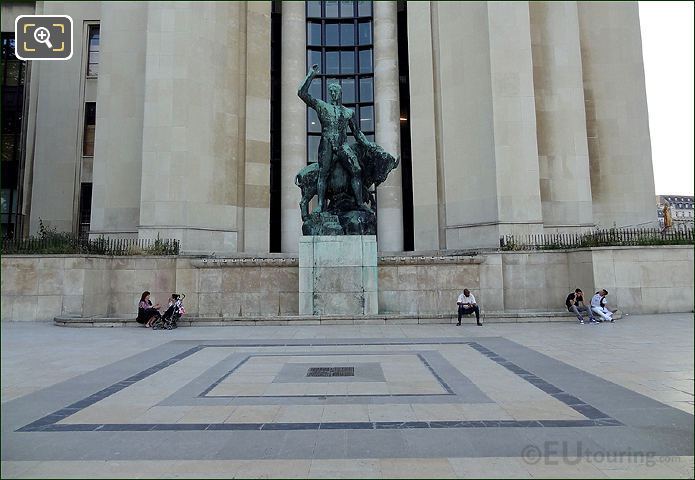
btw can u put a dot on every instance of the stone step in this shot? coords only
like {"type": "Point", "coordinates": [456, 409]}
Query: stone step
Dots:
{"type": "Point", "coordinates": [380, 319]}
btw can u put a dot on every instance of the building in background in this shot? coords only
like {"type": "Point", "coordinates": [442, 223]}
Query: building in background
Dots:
{"type": "Point", "coordinates": [181, 119]}
{"type": "Point", "coordinates": [681, 207]}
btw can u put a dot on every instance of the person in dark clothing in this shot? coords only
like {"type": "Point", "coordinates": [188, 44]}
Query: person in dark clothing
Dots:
{"type": "Point", "coordinates": [147, 313]}
{"type": "Point", "coordinates": [575, 304]}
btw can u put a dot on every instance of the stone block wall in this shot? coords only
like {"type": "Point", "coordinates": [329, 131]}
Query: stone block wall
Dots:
{"type": "Point", "coordinates": [426, 284]}
{"type": "Point", "coordinates": [240, 287]}
{"type": "Point", "coordinates": [535, 280]}
{"type": "Point", "coordinates": [639, 280]}
{"type": "Point", "coordinates": [40, 287]}
{"type": "Point", "coordinates": [646, 279]}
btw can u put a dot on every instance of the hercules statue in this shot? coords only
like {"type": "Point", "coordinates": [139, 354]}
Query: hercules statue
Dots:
{"type": "Point", "coordinates": [345, 172]}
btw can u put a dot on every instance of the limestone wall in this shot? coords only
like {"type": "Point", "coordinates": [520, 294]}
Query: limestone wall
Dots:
{"type": "Point", "coordinates": [638, 279]}
{"type": "Point", "coordinates": [425, 284]}
{"type": "Point", "coordinates": [646, 279]}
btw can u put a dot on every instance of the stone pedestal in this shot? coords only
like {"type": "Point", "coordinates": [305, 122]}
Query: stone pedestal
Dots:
{"type": "Point", "coordinates": [338, 275]}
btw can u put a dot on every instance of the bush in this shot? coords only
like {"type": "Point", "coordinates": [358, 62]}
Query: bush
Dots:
{"type": "Point", "coordinates": [49, 241]}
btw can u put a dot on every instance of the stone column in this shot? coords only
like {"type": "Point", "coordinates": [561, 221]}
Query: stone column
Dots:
{"type": "Point", "coordinates": [293, 150]}
{"type": "Point", "coordinates": [514, 119]}
{"type": "Point", "coordinates": [563, 155]}
{"type": "Point", "coordinates": [117, 168]}
{"type": "Point", "coordinates": [422, 127]}
{"type": "Point", "coordinates": [192, 150]}
{"type": "Point", "coordinates": [617, 122]}
{"type": "Point", "coordinates": [257, 133]}
{"type": "Point", "coordinates": [390, 193]}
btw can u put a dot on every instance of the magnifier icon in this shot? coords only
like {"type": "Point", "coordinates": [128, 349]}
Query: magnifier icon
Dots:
{"type": "Point", "coordinates": [43, 35]}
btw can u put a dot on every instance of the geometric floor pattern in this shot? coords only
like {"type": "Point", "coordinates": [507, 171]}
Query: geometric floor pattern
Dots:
{"type": "Point", "coordinates": [400, 400]}
{"type": "Point", "coordinates": [415, 374]}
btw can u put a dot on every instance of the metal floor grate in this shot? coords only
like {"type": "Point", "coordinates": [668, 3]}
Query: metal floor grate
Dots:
{"type": "Point", "coordinates": [331, 372]}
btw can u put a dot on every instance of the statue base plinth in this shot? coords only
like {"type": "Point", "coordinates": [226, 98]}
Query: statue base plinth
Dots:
{"type": "Point", "coordinates": [338, 275]}
{"type": "Point", "coordinates": [350, 222]}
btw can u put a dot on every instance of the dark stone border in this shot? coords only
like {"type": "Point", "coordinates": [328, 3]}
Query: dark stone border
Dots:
{"type": "Point", "coordinates": [445, 386]}
{"type": "Point", "coordinates": [594, 417]}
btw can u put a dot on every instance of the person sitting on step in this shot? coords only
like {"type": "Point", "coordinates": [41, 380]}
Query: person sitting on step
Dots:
{"type": "Point", "coordinates": [467, 305]}
{"type": "Point", "coordinates": [147, 313]}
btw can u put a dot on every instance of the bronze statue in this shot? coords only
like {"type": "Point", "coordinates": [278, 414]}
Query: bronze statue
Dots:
{"type": "Point", "coordinates": [360, 165]}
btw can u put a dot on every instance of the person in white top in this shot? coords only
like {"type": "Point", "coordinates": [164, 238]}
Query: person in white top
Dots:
{"type": "Point", "coordinates": [466, 303]}
{"type": "Point", "coordinates": [597, 308]}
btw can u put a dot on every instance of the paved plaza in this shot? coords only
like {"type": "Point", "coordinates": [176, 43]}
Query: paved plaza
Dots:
{"type": "Point", "coordinates": [432, 401]}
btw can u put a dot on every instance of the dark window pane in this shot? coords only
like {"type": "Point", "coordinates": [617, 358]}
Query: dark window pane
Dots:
{"type": "Point", "coordinates": [332, 34]}
{"type": "Point", "coordinates": [313, 33]}
{"type": "Point", "coordinates": [348, 85]}
{"type": "Point", "coordinates": [93, 51]}
{"type": "Point", "coordinates": [347, 34]}
{"type": "Point", "coordinates": [312, 148]}
{"type": "Point", "coordinates": [367, 118]}
{"type": "Point", "coordinates": [313, 8]}
{"type": "Point", "coordinates": [8, 143]}
{"type": "Point", "coordinates": [90, 113]}
{"type": "Point", "coordinates": [5, 200]}
{"type": "Point", "coordinates": [366, 90]}
{"type": "Point", "coordinates": [331, 8]}
{"type": "Point", "coordinates": [13, 72]}
{"type": "Point", "coordinates": [364, 8]}
{"type": "Point", "coordinates": [370, 137]}
{"type": "Point", "coordinates": [314, 57]}
{"type": "Point", "coordinates": [365, 37]}
{"type": "Point", "coordinates": [315, 88]}
{"type": "Point", "coordinates": [347, 9]}
{"type": "Point", "coordinates": [332, 63]}
{"type": "Point", "coordinates": [347, 62]}
{"type": "Point", "coordinates": [366, 61]}
{"type": "Point", "coordinates": [314, 125]}
{"type": "Point", "coordinates": [90, 119]}
{"type": "Point", "coordinates": [94, 35]}
{"type": "Point", "coordinates": [12, 123]}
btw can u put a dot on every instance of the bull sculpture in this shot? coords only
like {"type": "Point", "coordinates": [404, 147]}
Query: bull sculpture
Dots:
{"type": "Point", "coordinates": [375, 165]}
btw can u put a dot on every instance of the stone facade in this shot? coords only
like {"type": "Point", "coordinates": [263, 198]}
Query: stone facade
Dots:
{"type": "Point", "coordinates": [638, 279]}
{"type": "Point", "coordinates": [524, 116]}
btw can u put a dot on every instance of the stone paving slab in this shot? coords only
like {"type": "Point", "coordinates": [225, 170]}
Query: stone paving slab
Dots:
{"type": "Point", "coordinates": [148, 417]}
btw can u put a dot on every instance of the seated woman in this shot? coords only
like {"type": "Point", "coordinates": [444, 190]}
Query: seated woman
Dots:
{"type": "Point", "coordinates": [147, 313]}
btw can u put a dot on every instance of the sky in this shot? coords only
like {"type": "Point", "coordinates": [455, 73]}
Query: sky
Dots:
{"type": "Point", "coordinates": [667, 45]}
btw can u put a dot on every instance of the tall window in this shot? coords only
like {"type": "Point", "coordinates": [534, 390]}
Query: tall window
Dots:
{"type": "Point", "coordinates": [93, 51]}
{"type": "Point", "coordinates": [339, 41]}
{"type": "Point", "coordinates": [275, 127]}
{"type": "Point", "coordinates": [406, 154]}
{"type": "Point", "coordinates": [90, 124]}
{"type": "Point", "coordinates": [13, 73]}
{"type": "Point", "coordinates": [85, 207]}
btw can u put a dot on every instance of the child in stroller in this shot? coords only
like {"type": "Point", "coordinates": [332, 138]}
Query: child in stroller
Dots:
{"type": "Point", "coordinates": [172, 314]}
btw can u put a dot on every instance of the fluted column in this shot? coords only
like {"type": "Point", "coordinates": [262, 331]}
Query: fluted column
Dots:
{"type": "Point", "coordinates": [563, 154]}
{"type": "Point", "coordinates": [293, 150]}
{"type": "Point", "coordinates": [617, 120]}
{"type": "Point", "coordinates": [390, 193]}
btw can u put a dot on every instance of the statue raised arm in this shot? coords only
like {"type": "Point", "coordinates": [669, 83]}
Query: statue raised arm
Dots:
{"type": "Point", "coordinates": [304, 87]}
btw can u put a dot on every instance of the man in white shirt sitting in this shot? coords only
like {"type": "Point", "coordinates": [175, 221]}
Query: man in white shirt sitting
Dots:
{"type": "Point", "coordinates": [466, 303]}
{"type": "Point", "coordinates": [597, 308]}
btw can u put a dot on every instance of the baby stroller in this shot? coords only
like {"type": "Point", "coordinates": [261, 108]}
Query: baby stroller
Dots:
{"type": "Point", "coordinates": [173, 313]}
